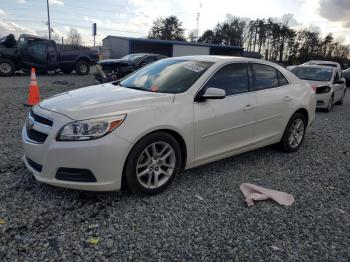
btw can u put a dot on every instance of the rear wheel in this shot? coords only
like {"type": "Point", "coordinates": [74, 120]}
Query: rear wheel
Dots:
{"type": "Point", "coordinates": [294, 133]}
{"type": "Point", "coordinates": [82, 68]}
{"type": "Point", "coordinates": [7, 67]}
{"type": "Point", "coordinates": [153, 163]}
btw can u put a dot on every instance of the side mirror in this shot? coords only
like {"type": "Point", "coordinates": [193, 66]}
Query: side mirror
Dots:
{"type": "Point", "coordinates": [339, 81]}
{"type": "Point", "coordinates": [212, 93]}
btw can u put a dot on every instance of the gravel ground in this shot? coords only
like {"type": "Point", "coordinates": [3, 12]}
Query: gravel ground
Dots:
{"type": "Point", "coordinates": [201, 217]}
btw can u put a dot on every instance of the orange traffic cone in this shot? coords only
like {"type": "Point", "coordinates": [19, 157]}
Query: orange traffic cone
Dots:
{"type": "Point", "coordinates": [34, 96]}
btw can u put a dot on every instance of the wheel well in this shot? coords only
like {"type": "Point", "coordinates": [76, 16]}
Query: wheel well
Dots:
{"type": "Point", "coordinates": [83, 59]}
{"type": "Point", "coordinates": [305, 113]}
{"type": "Point", "coordinates": [174, 134]}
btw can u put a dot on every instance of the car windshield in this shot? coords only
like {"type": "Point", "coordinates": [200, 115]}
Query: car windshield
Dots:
{"type": "Point", "coordinates": [311, 73]}
{"type": "Point", "coordinates": [167, 76]}
{"type": "Point", "coordinates": [135, 58]}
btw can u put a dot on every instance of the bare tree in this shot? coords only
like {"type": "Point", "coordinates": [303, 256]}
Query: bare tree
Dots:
{"type": "Point", "coordinates": [74, 38]}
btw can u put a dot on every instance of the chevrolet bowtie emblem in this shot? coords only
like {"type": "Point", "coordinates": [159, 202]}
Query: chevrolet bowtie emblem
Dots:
{"type": "Point", "coordinates": [30, 123]}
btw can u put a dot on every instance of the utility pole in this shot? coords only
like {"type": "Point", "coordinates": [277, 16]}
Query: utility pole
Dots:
{"type": "Point", "coordinates": [198, 14]}
{"type": "Point", "coordinates": [48, 18]}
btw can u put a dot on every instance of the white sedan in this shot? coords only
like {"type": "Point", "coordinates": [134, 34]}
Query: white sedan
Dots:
{"type": "Point", "coordinates": [329, 83]}
{"type": "Point", "coordinates": [174, 114]}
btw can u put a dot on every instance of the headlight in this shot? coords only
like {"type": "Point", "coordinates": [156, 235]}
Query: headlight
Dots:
{"type": "Point", "coordinates": [89, 129]}
{"type": "Point", "coordinates": [323, 89]}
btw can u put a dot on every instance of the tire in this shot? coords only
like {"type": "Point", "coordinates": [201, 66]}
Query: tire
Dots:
{"type": "Point", "coordinates": [67, 71]}
{"type": "Point", "coordinates": [143, 171]}
{"type": "Point", "coordinates": [7, 67]}
{"type": "Point", "coordinates": [330, 104]}
{"type": "Point", "coordinates": [341, 101]}
{"type": "Point", "coordinates": [285, 143]}
{"type": "Point", "coordinates": [82, 67]}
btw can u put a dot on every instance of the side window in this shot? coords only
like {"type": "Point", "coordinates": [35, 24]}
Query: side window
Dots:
{"type": "Point", "coordinates": [37, 48]}
{"type": "Point", "coordinates": [232, 78]}
{"type": "Point", "coordinates": [281, 79]}
{"type": "Point", "coordinates": [147, 60]}
{"type": "Point", "coordinates": [265, 77]}
{"type": "Point", "coordinates": [160, 57]}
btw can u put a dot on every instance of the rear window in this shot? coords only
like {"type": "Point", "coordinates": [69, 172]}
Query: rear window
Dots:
{"type": "Point", "coordinates": [265, 77]}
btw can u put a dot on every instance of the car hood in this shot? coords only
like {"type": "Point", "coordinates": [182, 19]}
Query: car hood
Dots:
{"type": "Point", "coordinates": [319, 83]}
{"type": "Point", "coordinates": [114, 62]}
{"type": "Point", "coordinates": [103, 100]}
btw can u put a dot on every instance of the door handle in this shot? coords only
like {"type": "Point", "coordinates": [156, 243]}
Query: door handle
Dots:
{"type": "Point", "coordinates": [248, 107]}
{"type": "Point", "coordinates": [287, 98]}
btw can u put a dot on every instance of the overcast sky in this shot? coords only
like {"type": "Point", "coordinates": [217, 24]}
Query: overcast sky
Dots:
{"type": "Point", "coordinates": [134, 17]}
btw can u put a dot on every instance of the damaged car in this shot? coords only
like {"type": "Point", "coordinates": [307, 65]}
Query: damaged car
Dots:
{"type": "Point", "coordinates": [44, 55]}
{"type": "Point", "coordinates": [328, 81]}
{"type": "Point", "coordinates": [113, 69]}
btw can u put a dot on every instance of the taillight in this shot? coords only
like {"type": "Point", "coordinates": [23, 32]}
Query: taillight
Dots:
{"type": "Point", "coordinates": [313, 87]}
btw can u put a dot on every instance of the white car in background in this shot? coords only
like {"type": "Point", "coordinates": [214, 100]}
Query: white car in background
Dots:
{"type": "Point", "coordinates": [171, 115]}
{"type": "Point", "coordinates": [329, 83]}
{"type": "Point", "coordinates": [323, 63]}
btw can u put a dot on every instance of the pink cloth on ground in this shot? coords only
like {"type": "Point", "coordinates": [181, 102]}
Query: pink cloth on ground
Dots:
{"type": "Point", "coordinates": [252, 192]}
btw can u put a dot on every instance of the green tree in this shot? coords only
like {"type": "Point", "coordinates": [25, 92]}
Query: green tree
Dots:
{"type": "Point", "coordinates": [169, 28]}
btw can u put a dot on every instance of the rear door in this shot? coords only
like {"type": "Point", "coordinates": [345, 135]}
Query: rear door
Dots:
{"type": "Point", "coordinates": [224, 125]}
{"type": "Point", "coordinates": [274, 102]}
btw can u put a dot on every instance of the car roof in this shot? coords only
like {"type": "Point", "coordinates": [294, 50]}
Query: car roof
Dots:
{"type": "Point", "coordinates": [215, 59]}
{"type": "Point", "coordinates": [143, 54]}
{"type": "Point", "coordinates": [323, 61]}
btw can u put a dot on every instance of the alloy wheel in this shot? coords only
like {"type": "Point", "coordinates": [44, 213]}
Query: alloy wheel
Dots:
{"type": "Point", "coordinates": [5, 68]}
{"type": "Point", "coordinates": [342, 98]}
{"type": "Point", "coordinates": [155, 165]}
{"type": "Point", "coordinates": [296, 133]}
{"type": "Point", "coordinates": [330, 104]}
{"type": "Point", "coordinates": [83, 68]}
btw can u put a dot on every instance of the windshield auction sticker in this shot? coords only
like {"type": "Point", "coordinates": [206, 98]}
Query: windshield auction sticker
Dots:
{"type": "Point", "coordinates": [194, 67]}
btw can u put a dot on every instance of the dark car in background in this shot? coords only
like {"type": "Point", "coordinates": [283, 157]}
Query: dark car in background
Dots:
{"type": "Point", "coordinates": [44, 55]}
{"type": "Point", "coordinates": [113, 69]}
{"type": "Point", "coordinates": [346, 74]}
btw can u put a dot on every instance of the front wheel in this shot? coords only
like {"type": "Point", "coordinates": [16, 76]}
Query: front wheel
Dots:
{"type": "Point", "coordinates": [153, 163]}
{"type": "Point", "coordinates": [294, 133]}
{"type": "Point", "coordinates": [82, 68]}
{"type": "Point", "coordinates": [330, 104]}
{"type": "Point", "coordinates": [7, 67]}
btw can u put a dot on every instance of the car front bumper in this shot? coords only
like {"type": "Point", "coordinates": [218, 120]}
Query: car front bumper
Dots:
{"type": "Point", "coordinates": [322, 100]}
{"type": "Point", "coordinates": [103, 158]}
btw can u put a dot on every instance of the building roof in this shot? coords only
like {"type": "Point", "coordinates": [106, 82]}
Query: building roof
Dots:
{"type": "Point", "coordinates": [175, 42]}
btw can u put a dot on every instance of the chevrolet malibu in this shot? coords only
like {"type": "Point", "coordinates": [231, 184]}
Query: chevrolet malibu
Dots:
{"type": "Point", "coordinates": [174, 114]}
{"type": "Point", "coordinates": [328, 81]}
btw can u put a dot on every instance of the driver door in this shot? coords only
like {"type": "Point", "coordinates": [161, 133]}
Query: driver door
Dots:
{"type": "Point", "coordinates": [36, 55]}
{"type": "Point", "coordinates": [225, 125]}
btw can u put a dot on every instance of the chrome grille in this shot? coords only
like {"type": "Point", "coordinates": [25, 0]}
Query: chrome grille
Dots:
{"type": "Point", "coordinates": [37, 127]}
